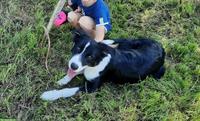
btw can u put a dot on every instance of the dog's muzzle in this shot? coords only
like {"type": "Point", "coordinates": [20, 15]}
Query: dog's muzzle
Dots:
{"type": "Point", "coordinates": [74, 66]}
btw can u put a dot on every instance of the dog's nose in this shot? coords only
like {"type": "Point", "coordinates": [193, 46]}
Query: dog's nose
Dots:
{"type": "Point", "coordinates": [74, 66]}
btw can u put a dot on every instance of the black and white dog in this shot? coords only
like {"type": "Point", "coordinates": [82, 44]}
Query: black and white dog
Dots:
{"type": "Point", "coordinates": [131, 61]}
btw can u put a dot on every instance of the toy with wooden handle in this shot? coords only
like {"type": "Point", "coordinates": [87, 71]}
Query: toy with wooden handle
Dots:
{"type": "Point", "coordinates": [47, 29]}
{"type": "Point", "coordinates": [57, 9]}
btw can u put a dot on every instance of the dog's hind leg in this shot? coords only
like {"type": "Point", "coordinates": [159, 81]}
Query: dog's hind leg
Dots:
{"type": "Point", "coordinates": [159, 73]}
{"type": "Point", "coordinates": [56, 94]}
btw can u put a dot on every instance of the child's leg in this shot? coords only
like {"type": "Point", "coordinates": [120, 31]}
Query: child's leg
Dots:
{"type": "Point", "coordinates": [84, 22]}
{"type": "Point", "coordinates": [73, 18]}
{"type": "Point", "coordinates": [88, 25]}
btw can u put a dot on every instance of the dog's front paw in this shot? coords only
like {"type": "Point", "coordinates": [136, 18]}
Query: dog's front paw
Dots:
{"type": "Point", "coordinates": [50, 95]}
{"type": "Point", "coordinates": [64, 80]}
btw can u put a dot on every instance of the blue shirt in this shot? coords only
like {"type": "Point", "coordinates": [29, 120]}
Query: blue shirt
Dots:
{"type": "Point", "coordinates": [98, 11]}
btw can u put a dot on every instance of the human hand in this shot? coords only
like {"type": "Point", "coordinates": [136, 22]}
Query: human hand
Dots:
{"type": "Point", "coordinates": [78, 10]}
{"type": "Point", "coordinates": [69, 2]}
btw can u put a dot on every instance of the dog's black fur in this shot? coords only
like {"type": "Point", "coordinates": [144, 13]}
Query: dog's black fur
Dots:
{"type": "Point", "coordinates": [131, 61]}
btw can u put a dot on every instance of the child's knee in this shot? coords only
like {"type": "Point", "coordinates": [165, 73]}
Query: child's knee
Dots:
{"type": "Point", "coordinates": [86, 22]}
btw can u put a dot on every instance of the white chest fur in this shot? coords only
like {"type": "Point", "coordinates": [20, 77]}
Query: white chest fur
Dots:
{"type": "Point", "coordinates": [91, 73]}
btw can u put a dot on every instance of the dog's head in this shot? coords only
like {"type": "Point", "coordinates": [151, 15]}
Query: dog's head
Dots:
{"type": "Point", "coordinates": [86, 53]}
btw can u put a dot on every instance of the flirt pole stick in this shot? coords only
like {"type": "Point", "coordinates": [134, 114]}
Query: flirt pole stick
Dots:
{"type": "Point", "coordinates": [57, 9]}
{"type": "Point", "coordinates": [47, 29]}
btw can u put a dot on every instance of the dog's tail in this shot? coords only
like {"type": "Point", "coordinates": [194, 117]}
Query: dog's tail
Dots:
{"type": "Point", "coordinates": [159, 73]}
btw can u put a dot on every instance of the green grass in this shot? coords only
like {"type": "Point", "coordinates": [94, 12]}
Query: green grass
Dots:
{"type": "Point", "coordinates": [23, 77]}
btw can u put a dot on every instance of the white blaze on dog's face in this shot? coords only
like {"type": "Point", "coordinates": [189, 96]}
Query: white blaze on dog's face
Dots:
{"type": "Point", "coordinates": [87, 53]}
{"type": "Point", "coordinates": [91, 73]}
{"type": "Point", "coordinates": [75, 62]}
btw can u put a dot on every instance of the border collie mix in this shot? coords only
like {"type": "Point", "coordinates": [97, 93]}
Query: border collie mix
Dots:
{"type": "Point", "coordinates": [131, 61]}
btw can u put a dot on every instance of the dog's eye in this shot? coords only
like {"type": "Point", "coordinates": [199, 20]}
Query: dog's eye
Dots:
{"type": "Point", "coordinates": [89, 57]}
{"type": "Point", "coordinates": [78, 49]}
{"type": "Point", "coordinates": [73, 44]}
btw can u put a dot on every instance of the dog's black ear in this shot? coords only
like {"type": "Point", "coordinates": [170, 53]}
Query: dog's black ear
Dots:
{"type": "Point", "coordinates": [103, 48]}
{"type": "Point", "coordinates": [79, 34]}
{"type": "Point", "coordinates": [76, 35]}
